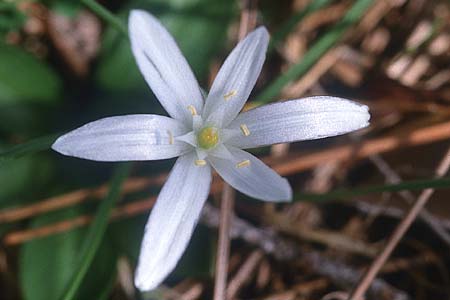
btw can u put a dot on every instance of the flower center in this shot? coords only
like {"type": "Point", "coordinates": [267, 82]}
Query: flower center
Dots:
{"type": "Point", "coordinates": [208, 137]}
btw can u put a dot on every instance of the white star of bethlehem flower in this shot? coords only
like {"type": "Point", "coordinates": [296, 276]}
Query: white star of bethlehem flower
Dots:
{"type": "Point", "coordinates": [203, 133]}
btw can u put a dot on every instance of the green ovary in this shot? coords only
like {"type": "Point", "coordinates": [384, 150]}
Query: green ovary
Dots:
{"type": "Point", "coordinates": [208, 137]}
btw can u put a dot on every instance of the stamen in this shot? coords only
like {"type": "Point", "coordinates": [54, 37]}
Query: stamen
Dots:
{"type": "Point", "coordinates": [192, 110]}
{"type": "Point", "coordinates": [170, 137]}
{"type": "Point", "coordinates": [229, 95]}
{"type": "Point", "coordinates": [200, 162]}
{"type": "Point", "coordinates": [245, 130]}
{"type": "Point", "coordinates": [243, 163]}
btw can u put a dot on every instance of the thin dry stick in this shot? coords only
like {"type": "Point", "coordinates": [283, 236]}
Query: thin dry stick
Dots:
{"type": "Point", "coordinates": [244, 274]}
{"type": "Point", "coordinates": [286, 250]}
{"type": "Point", "coordinates": [396, 236]}
{"type": "Point", "coordinates": [124, 211]}
{"type": "Point", "coordinates": [194, 292]}
{"type": "Point", "coordinates": [223, 247]}
{"type": "Point", "coordinates": [419, 136]}
{"type": "Point", "coordinates": [314, 74]}
{"type": "Point", "coordinates": [394, 212]}
{"type": "Point", "coordinates": [393, 177]}
{"type": "Point", "coordinates": [247, 22]}
{"type": "Point", "coordinates": [248, 17]}
{"type": "Point", "coordinates": [75, 197]}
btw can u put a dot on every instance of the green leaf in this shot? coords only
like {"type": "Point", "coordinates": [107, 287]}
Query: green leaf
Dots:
{"type": "Point", "coordinates": [127, 235]}
{"type": "Point", "coordinates": [24, 78]}
{"type": "Point", "coordinates": [198, 26]}
{"type": "Point", "coordinates": [96, 232]}
{"type": "Point", "coordinates": [26, 120]}
{"type": "Point", "coordinates": [19, 181]}
{"type": "Point", "coordinates": [67, 8]}
{"type": "Point", "coordinates": [326, 42]}
{"type": "Point", "coordinates": [47, 264]}
{"type": "Point", "coordinates": [115, 60]}
{"type": "Point", "coordinates": [10, 17]}
{"type": "Point", "coordinates": [30, 147]}
{"type": "Point", "coordinates": [344, 194]}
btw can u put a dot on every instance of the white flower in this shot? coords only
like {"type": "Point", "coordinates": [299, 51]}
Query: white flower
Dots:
{"type": "Point", "coordinates": [203, 133]}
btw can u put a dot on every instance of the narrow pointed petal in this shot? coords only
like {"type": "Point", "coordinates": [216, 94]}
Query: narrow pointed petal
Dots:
{"type": "Point", "coordinates": [251, 176]}
{"type": "Point", "coordinates": [125, 138]}
{"type": "Point", "coordinates": [189, 138]}
{"type": "Point", "coordinates": [297, 120]}
{"type": "Point", "coordinates": [163, 66]}
{"type": "Point", "coordinates": [236, 78]}
{"type": "Point", "coordinates": [172, 221]}
{"type": "Point", "coordinates": [221, 151]}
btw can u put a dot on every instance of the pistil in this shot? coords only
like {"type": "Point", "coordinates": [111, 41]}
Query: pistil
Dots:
{"type": "Point", "coordinates": [208, 137]}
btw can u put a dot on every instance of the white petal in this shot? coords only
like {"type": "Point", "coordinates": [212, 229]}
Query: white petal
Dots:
{"type": "Point", "coordinates": [189, 138]}
{"type": "Point", "coordinates": [221, 151]}
{"type": "Point", "coordinates": [236, 79]}
{"type": "Point", "coordinates": [254, 179]}
{"type": "Point", "coordinates": [125, 138]}
{"type": "Point", "coordinates": [172, 221]}
{"type": "Point", "coordinates": [163, 66]}
{"type": "Point", "coordinates": [296, 120]}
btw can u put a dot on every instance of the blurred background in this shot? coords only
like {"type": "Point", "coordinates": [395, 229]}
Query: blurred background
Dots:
{"type": "Point", "coordinates": [64, 63]}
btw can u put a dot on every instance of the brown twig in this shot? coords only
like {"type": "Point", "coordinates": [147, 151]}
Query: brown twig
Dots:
{"type": "Point", "coordinates": [194, 292]}
{"type": "Point", "coordinates": [399, 264]}
{"type": "Point", "coordinates": [314, 74]}
{"type": "Point", "coordinates": [391, 142]}
{"type": "Point", "coordinates": [188, 289]}
{"type": "Point", "coordinates": [248, 17]}
{"type": "Point", "coordinates": [394, 212]}
{"type": "Point", "coordinates": [73, 198]}
{"type": "Point", "coordinates": [286, 250]}
{"type": "Point", "coordinates": [131, 209]}
{"type": "Point", "coordinates": [393, 178]}
{"type": "Point", "coordinates": [223, 247]}
{"type": "Point", "coordinates": [332, 239]}
{"type": "Point", "coordinates": [302, 289]}
{"type": "Point", "coordinates": [396, 236]}
{"type": "Point", "coordinates": [244, 274]}
{"type": "Point", "coordinates": [344, 276]}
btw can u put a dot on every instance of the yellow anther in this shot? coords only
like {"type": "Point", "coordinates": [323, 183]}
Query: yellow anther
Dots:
{"type": "Point", "coordinates": [245, 130]}
{"type": "Point", "coordinates": [170, 137]}
{"type": "Point", "coordinates": [243, 163]}
{"type": "Point", "coordinates": [208, 137]}
{"type": "Point", "coordinates": [200, 162]}
{"type": "Point", "coordinates": [230, 94]}
{"type": "Point", "coordinates": [192, 110]}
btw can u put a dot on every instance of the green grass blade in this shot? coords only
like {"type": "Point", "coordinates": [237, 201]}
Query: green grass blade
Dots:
{"type": "Point", "coordinates": [290, 24]}
{"type": "Point", "coordinates": [106, 15]}
{"type": "Point", "coordinates": [327, 41]}
{"type": "Point", "coordinates": [345, 194]}
{"type": "Point", "coordinates": [97, 230]}
{"type": "Point", "coordinates": [33, 146]}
